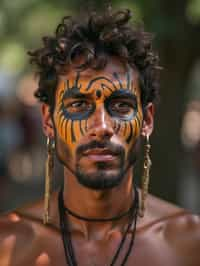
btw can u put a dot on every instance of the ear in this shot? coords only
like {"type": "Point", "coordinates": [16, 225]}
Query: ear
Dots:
{"type": "Point", "coordinates": [148, 120]}
{"type": "Point", "coordinates": [47, 122]}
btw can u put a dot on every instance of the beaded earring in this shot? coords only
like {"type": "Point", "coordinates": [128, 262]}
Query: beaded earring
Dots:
{"type": "Point", "coordinates": [48, 178]}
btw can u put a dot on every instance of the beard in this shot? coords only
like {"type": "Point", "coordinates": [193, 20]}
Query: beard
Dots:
{"type": "Point", "coordinates": [100, 179]}
{"type": "Point", "coordinates": [105, 175]}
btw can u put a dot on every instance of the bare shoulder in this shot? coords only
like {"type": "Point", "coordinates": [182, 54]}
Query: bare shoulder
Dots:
{"type": "Point", "coordinates": [183, 228]}
{"type": "Point", "coordinates": [23, 235]}
{"type": "Point", "coordinates": [13, 226]}
{"type": "Point", "coordinates": [158, 210]}
{"type": "Point", "coordinates": [14, 233]}
{"type": "Point", "coordinates": [182, 234]}
{"type": "Point", "coordinates": [179, 230]}
{"type": "Point", "coordinates": [171, 216]}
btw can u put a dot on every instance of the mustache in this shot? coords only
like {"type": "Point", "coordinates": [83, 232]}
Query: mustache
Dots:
{"type": "Point", "coordinates": [113, 148]}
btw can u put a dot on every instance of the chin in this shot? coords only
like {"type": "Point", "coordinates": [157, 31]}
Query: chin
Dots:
{"type": "Point", "coordinates": [101, 179]}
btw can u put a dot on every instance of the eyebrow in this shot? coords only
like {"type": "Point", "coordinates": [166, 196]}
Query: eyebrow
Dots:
{"type": "Point", "coordinates": [123, 94]}
{"type": "Point", "coordinates": [73, 93]}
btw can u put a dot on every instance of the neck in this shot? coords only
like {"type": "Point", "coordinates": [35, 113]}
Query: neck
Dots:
{"type": "Point", "coordinates": [97, 204]}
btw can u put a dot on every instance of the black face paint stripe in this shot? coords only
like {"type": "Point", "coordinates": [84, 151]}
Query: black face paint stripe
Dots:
{"type": "Point", "coordinates": [99, 78]}
{"type": "Point", "coordinates": [104, 86]}
{"type": "Point", "coordinates": [128, 129]}
{"type": "Point", "coordinates": [86, 125]}
{"type": "Point", "coordinates": [66, 130]}
{"type": "Point", "coordinates": [67, 84]}
{"type": "Point", "coordinates": [115, 125]}
{"type": "Point", "coordinates": [72, 132]}
{"type": "Point", "coordinates": [116, 76]}
{"type": "Point", "coordinates": [130, 134]}
{"type": "Point", "coordinates": [77, 80]}
{"type": "Point", "coordinates": [75, 85]}
{"type": "Point", "coordinates": [81, 129]}
{"type": "Point", "coordinates": [125, 128]}
{"type": "Point", "coordinates": [64, 127]}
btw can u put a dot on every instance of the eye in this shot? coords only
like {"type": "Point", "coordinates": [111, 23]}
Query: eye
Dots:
{"type": "Point", "coordinates": [122, 108]}
{"type": "Point", "coordinates": [78, 106]}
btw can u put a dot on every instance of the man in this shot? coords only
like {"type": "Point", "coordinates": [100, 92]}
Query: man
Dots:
{"type": "Point", "coordinates": [98, 84]}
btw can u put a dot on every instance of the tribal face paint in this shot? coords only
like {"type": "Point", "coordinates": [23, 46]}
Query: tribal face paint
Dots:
{"type": "Point", "coordinates": [76, 104]}
{"type": "Point", "coordinates": [94, 101]}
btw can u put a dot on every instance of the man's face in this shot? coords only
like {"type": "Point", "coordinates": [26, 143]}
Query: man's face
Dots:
{"type": "Point", "coordinates": [98, 118]}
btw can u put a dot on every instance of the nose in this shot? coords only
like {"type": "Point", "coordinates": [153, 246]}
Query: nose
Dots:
{"type": "Point", "coordinates": [100, 125]}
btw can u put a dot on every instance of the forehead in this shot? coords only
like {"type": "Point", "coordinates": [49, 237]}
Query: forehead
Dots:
{"type": "Point", "coordinates": [115, 75]}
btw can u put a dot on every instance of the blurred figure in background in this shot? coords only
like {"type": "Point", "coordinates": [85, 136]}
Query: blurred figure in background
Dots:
{"type": "Point", "coordinates": [11, 136]}
{"type": "Point", "coordinates": [21, 143]}
{"type": "Point", "coordinates": [189, 181]}
{"type": "Point", "coordinates": [190, 175]}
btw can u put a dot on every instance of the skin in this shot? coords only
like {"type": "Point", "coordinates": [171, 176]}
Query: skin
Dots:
{"type": "Point", "coordinates": [167, 235]}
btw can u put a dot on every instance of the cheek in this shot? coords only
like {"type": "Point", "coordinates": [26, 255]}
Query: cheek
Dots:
{"type": "Point", "coordinates": [70, 131]}
{"type": "Point", "coordinates": [129, 130]}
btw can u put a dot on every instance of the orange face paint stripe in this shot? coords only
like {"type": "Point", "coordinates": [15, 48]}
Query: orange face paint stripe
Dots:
{"type": "Point", "coordinates": [60, 114]}
{"type": "Point", "coordinates": [68, 131]}
{"type": "Point", "coordinates": [60, 96]}
{"type": "Point", "coordinates": [60, 121]}
{"type": "Point", "coordinates": [138, 121]}
{"type": "Point", "coordinates": [77, 129]}
{"type": "Point", "coordinates": [62, 128]}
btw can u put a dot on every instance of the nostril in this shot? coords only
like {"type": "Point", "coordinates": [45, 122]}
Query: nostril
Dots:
{"type": "Point", "coordinates": [101, 132]}
{"type": "Point", "coordinates": [108, 135]}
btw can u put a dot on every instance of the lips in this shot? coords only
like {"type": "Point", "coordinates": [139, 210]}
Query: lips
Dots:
{"type": "Point", "coordinates": [99, 154]}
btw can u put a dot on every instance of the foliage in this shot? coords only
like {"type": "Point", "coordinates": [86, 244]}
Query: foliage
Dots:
{"type": "Point", "coordinates": [22, 22]}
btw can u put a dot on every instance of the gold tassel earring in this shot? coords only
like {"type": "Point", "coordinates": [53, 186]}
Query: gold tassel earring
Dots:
{"type": "Point", "coordinates": [145, 176]}
{"type": "Point", "coordinates": [48, 178]}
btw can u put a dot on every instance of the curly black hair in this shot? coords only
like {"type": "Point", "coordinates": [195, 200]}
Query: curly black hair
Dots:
{"type": "Point", "coordinates": [97, 37]}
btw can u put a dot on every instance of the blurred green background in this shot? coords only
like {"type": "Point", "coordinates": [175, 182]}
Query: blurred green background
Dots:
{"type": "Point", "coordinates": [175, 174]}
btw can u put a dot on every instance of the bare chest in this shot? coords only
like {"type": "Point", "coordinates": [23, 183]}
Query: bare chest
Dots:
{"type": "Point", "coordinates": [145, 251]}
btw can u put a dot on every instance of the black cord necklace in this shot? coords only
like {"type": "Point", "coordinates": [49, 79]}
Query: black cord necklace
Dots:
{"type": "Point", "coordinates": [114, 218]}
{"type": "Point", "coordinates": [66, 235]}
